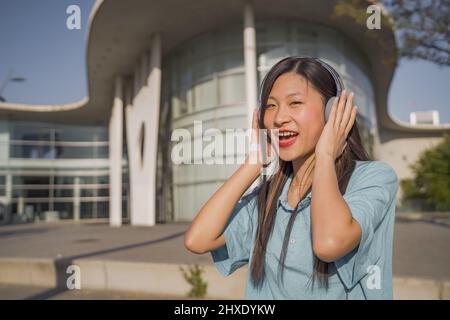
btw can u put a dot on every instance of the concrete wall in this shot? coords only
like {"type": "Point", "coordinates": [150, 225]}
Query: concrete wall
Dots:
{"type": "Point", "coordinates": [400, 150]}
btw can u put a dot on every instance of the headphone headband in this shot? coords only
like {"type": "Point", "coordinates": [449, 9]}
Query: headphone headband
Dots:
{"type": "Point", "coordinates": [337, 80]}
{"type": "Point", "coordinates": [336, 77]}
{"type": "Point", "coordinates": [334, 74]}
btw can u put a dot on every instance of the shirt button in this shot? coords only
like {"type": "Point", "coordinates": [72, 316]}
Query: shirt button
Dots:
{"type": "Point", "coordinates": [293, 240]}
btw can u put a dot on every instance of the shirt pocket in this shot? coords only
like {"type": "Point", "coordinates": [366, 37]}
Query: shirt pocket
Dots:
{"type": "Point", "coordinates": [299, 253]}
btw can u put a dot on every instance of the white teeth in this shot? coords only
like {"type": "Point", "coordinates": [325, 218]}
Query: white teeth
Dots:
{"type": "Point", "coordinates": [287, 134]}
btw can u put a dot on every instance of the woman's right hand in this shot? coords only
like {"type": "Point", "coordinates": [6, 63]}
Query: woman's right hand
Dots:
{"type": "Point", "coordinates": [255, 154]}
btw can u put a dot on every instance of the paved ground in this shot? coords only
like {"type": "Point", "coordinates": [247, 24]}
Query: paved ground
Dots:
{"type": "Point", "coordinates": [21, 292]}
{"type": "Point", "coordinates": [162, 243]}
{"type": "Point", "coordinates": [421, 249]}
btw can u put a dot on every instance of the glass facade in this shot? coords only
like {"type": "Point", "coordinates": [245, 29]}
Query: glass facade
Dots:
{"type": "Point", "coordinates": [204, 79]}
{"type": "Point", "coordinates": [51, 171]}
{"type": "Point", "coordinates": [56, 142]}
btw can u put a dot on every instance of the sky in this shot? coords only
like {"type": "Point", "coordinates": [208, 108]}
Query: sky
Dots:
{"type": "Point", "coordinates": [36, 44]}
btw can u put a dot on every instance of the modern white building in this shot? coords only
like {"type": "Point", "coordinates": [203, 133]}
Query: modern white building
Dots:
{"type": "Point", "coordinates": [155, 66]}
{"type": "Point", "coordinates": [424, 117]}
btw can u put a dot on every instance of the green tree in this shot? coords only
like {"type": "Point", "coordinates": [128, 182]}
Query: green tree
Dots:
{"type": "Point", "coordinates": [431, 181]}
{"type": "Point", "coordinates": [421, 27]}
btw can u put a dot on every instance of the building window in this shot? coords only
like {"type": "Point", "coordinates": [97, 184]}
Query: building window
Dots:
{"type": "Point", "coordinates": [206, 72]}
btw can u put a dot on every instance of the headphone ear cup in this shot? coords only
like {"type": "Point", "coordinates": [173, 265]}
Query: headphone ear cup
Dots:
{"type": "Point", "coordinates": [328, 108]}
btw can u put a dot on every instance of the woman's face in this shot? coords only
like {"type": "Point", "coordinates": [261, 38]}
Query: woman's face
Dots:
{"type": "Point", "coordinates": [296, 109]}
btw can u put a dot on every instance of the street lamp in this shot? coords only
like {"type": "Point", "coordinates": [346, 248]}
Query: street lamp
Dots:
{"type": "Point", "coordinates": [9, 78]}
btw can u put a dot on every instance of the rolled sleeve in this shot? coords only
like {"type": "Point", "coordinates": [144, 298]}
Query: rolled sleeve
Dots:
{"type": "Point", "coordinates": [238, 234]}
{"type": "Point", "coordinates": [369, 199]}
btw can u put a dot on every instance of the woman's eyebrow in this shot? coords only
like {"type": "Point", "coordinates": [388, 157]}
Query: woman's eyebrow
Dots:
{"type": "Point", "coordinates": [293, 94]}
{"type": "Point", "coordinates": [287, 96]}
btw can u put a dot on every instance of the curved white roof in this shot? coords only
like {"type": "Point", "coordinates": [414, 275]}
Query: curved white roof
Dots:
{"type": "Point", "coordinates": [119, 32]}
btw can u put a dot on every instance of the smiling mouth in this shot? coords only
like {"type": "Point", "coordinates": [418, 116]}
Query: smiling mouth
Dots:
{"type": "Point", "coordinates": [286, 138]}
{"type": "Point", "coordinates": [287, 134]}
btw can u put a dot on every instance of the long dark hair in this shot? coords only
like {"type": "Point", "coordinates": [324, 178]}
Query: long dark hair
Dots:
{"type": "Point", "coordinates": [271, 188]}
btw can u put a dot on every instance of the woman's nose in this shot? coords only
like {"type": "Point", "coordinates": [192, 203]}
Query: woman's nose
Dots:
{"type": "Point", "coordinates": [281, 117]}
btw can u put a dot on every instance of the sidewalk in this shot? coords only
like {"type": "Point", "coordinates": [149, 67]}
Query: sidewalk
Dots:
{"type": "Point", "coordinates": [147, 260]}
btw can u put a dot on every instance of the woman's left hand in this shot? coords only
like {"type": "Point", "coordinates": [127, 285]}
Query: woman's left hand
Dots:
{"type": "Point", "coordinates": [332, 141]}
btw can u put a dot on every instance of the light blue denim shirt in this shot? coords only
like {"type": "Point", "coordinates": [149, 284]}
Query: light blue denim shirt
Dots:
{"type": "Point", "coordinates": [364, 273]}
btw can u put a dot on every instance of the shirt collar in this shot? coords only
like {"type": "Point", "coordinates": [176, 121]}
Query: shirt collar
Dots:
{"type": "Point", "coordinates": [283, 200]}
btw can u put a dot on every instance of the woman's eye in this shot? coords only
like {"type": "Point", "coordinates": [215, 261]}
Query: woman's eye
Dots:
{"type": "Point", "coordinates": [270, 105]}
{"type": "Point", "coordinates": [297, 102]}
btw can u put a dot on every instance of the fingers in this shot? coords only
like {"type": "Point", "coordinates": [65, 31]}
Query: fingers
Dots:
{"type": "Point", "coordinates": [340, 109]}
{"type": "Point", "coordinates": [344, 117]}
{"type": "Point", "coordinates": [273, 149]}
{"type": "Point", "coordinates": [253, 156]}
{"type": "Point", "coordinates": [255, 126]}
{"type": "Point", "coordinates": [255, 118]}
{"type": "Point", "coordinates": [267, 151]}
{"type": "Point", "coordinates": [260, 148]}
{"type": "Point", "coordinates": [346, 112]}
{"type": "Point", "coordinates": [333, 110]}
{"type": "Point", "coordinates": [350, 123]}
{"type": "Point", "coordinates": [338, 118]}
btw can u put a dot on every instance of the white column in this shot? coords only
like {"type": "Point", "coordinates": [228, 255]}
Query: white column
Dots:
{"type": "Point", "coordinates": [142, 119]}
{"type": "Point", "coordinates": [250, 61]}
{"type": "Point", "coordinates": [115, 156]}
{"type": "Point", "coordinates": [131, 140]}
{"type": "Point", "coordinates": [20, 206]}
{"type": "Point", "coordinates": [154, 84]}
{"type": "Point", "coordinates": [76, 199]}
{"type": "Point", "coordinates": [8, 195]}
